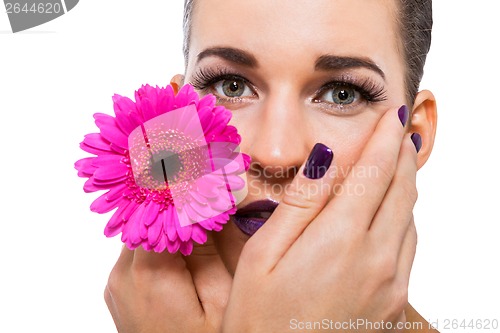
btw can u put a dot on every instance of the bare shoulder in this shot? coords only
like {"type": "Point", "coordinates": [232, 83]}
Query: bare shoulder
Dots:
{"type": "Point", "coordinates": [420, 325]}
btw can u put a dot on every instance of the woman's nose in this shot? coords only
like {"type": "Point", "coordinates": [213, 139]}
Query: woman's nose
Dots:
{"type": "Point", "coordinates": [279, 141]}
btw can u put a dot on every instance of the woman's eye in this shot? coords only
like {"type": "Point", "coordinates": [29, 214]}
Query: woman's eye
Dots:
{"type": "Point", "coordinates": [342, 95]}
{"type": "Point", "coordinates": [233, 88]}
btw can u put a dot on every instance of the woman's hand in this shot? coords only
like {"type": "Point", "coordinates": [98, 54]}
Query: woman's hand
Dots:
{"type": "Point", "coordinates": [151, 292]}
{"type": "Point", "coordinates": [339, 260]}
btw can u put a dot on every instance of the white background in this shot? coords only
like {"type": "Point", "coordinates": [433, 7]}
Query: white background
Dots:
{"type": "Point", "coordinates": [54, 260]}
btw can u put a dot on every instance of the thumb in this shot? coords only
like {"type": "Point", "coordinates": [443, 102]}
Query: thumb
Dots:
{"type": "Point", "coordinates": [304, 198]}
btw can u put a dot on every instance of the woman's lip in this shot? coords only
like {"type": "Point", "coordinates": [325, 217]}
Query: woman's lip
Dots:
{"type": "Point", "coordinates": [251, 217]}
{"type": "Point", "coordinates": [258, 206]}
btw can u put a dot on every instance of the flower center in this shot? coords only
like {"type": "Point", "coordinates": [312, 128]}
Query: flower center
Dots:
{"type": "Point", "coordinates": [166, 168]}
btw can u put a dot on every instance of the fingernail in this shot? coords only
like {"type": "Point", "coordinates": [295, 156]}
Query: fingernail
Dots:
{"type": "Point", "coordinates": [318, 161]}
{"type": "Point", "coordinates": [417, 141]}
{"type": "Point", "coordinates": [403, 114]}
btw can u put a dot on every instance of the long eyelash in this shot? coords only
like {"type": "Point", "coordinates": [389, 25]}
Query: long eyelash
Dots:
{"type": "Point", "coordinates": [369, 89]}
{"type": "Point", "coordinates": [205, 78]}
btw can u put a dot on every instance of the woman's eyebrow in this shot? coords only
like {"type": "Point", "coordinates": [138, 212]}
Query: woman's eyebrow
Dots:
{"type": "Point", "coordinates": [332, 62]}
{"type": "Point", "coordinates": [234, 55]}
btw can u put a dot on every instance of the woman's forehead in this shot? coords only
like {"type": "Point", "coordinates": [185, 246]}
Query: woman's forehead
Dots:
{"type": "Point", "coordinates": [283, 27]}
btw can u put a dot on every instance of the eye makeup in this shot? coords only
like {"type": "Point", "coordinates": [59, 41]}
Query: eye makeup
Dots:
{"type": "Point", "coordinates": [363, 91]}
{"type": "Point", "coordinates": [205, 80]}
{"type": "Point", "coordinates": [349, 91]}
{"type": "Point", "coordinates": [369, 90]}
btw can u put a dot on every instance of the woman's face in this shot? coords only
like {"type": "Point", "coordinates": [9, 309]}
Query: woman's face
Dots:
{"type": "Point", "coordinates": [295, 73]}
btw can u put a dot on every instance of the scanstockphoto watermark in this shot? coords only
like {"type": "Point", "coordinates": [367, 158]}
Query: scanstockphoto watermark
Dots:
{"type": "Point", "coordinates": [356, 324]}
{"type": "Point", "coordinates": [26, 14]}
{"type": "Point", "coordinates": [465, 324]}
{"type": "Point", "coordinates": [275, 180]}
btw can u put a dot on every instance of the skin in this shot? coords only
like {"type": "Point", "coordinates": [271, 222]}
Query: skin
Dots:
{"type": "Point", "coordinates": [373, 235]}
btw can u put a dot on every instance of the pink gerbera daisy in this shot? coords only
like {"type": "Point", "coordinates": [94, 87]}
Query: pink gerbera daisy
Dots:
{"type": "Point", "coordinates": [171, 165]}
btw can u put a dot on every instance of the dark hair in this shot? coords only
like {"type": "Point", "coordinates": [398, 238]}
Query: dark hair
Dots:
{"type": "Point", "coordinates": [414, 19]}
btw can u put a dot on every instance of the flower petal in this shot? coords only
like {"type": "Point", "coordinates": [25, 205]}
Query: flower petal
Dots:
{"type": "Point", "coordinates": [105, 160]}
{"type": "Point", "coordinates": [102, 205]}
{"type": "Point", "coordinates": [174, 246]}
{"type": "Point", "coordinates": [162, 243]}
{"type": "Point", "coordinates": [85, 167]}
{"type": "Point", "coordinates": [166, 100]}
{"type": "Point", "coordinates": [185, 96]}
{"type": "Point", "coordinates": [151, 211]}
{"type": "Point", "coordinates": [133, 227]}
{"type": "Point", "coordinates": [113, 171]}
{"type": "Point", "coordinates": [169, 222]}
{"type": "Point", "coordinates": [155, 231]}
{"type": "Point", "coordinates": [125, 111]}
{"type": "Point", "coordinates": [95, 144]}
{"type": "Point", "coordinates": [186, 248]}
{"type": "Point", "coordinates": [117, 218]}
{"type": "Point", "coordinates": [199, 235]}
{"type": "Point", "coordinates": [110, 131]}
{"type": "Point", "coordinates": [184, 232]}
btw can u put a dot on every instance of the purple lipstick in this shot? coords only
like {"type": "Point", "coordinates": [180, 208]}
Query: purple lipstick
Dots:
{"type": "Point", "coordinates": [253, 216]}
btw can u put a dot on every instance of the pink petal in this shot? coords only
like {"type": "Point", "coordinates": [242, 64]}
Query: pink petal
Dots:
{"type": "Point", "coordinates": [85, 167]}
{"type": "Point", "coordinates": [111, 171]}
{"type": "Point", "coordinates": [197, 197]}
{"type": "Point", "coordinates": [165, 100]}
{"type": "Point", "coordinates": [174, 246]}
{"type": "Point", "coordinates": [184, 232]}
{"type": "Point", "coordinates": [207, 224]}
{"type": "Point", "coordinates": [113, 231]}
{"type": "Point", "coordinates": [185, 96]}
{"type": "Point", "coordinates": [117, 218]}
{"type": "Point", "coordinates": [199, 235]}
{"type": "Point", "coordinates": [107, 183]}
{"type": "Point", "coordinates": [155, 231]}
{"type": "Point", "coordinates": [90, 187]}
{"type": "Point", "coordinates": [129, 211]}
{"type": "Point", "coordinates": [143, 230]}
{"type": "Point", "coordinates": [186, 248]}
{"type": "Point", "coordinates": [221, 204]}
{"type": "Point", "coordinates": [110, 131]}
{"type": "Point", "coordinates": [148, 110]}
{"type": "Point", "coordinates": [151, 211]}
{"type": "Point", "coordinates": [133, 226]}
{"type": "Point", "coordinates": [162, 244]}
{"type": "Point", "coordinates": [105, 160]}
{"type": "Point", "coordinates": [247, 159]}
{"type": "Point", "coordinates": [116, 192]}
{"type": "Point", "coordinates": [206, 189]}
{"type": "Point", "coordinates": [208, 101]}
{"type": "Point", "coordinates": [206, 118]}
{"type": "Point", "coordinates": [95, 144]}
{"type": "Point", "coordinates": [235, 182]}
{"type": "Point", "coordinates": [101, 205]}
{"type": "Point", "coordinates": [201, 209]}
{"type": "Point", "coordinates": [124, 110]}
{"type": "Point", "coordinates": [169, 217]}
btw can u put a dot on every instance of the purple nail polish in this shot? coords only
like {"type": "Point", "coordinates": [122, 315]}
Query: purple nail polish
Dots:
{"type": "Point", "coordinates": [417, 141]}
{"type": "Point", "coordinates": [318, 162]}
{"type": "Point", "coordinates": [403, 114]}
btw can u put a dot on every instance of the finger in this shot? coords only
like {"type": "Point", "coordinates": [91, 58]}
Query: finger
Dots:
{"type": "Point", "coordinates": [168, 273]}
{"type": "Point", "coordinates": [391, 221]}
{"type": "Point", "coordinates": [148, 259]}
{"type": "Point", "coordinates": [115, 279]}
{"type": "Point", "coordinates": [211, 279]}
{"type": "Point", "coordinates": [371, 175]}
{"type": "Point", "coordinates": [407, 253]}
{"type": "Point", "coordinates": [303, 200]}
